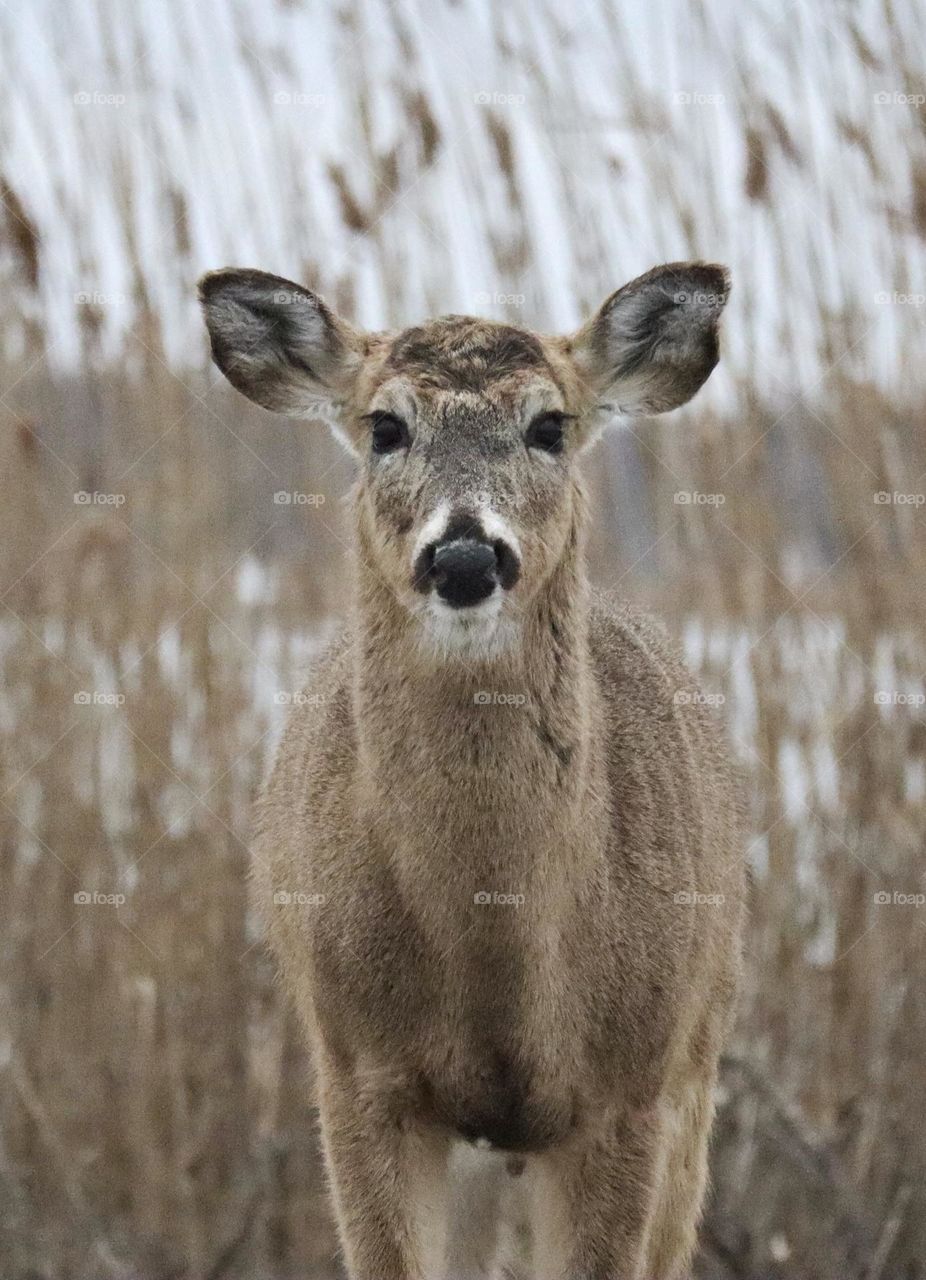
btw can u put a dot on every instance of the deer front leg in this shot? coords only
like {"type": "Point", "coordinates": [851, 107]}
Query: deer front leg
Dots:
{"type": "Point", "coordinates": [389, 1181]}
{"type": "Point", "coordinates": [594, 1202]}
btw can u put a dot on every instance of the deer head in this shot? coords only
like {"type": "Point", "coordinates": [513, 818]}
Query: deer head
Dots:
{"type": "Point", "coordinates": [466, 431]}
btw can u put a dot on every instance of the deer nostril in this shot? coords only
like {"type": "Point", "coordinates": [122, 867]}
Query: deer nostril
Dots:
{"type": "Point", "coordinates": [507, 564]}
{"type": "Point", "coordinates": [423, 572]}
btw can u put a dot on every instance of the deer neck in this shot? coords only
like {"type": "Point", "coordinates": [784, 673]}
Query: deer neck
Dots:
{"type": "Point", "coordinates": [493, 763]}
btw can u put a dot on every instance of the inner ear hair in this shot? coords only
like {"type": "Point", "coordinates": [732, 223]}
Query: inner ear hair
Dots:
{"type": "Point", "coordinates": [654, 341]}
{"type": "Point", "coordinates": [277, 342]}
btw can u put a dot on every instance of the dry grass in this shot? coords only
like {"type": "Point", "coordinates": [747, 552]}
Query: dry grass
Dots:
{"type": "Point", "coordinates": [154, 1102]}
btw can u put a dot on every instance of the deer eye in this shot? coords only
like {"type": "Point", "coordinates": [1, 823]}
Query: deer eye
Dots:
{"type": "Point", "coordinates": [389, 433]}
{"type": "Point", "coordinates": [546, 433]}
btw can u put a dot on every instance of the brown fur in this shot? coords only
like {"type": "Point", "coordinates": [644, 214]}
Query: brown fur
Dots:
{"type": "Point", "coordinates": [580, 1024]}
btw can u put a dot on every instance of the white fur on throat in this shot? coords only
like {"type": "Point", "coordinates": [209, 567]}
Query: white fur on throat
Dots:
{"type": "Point", "coordinates": [476, 633]}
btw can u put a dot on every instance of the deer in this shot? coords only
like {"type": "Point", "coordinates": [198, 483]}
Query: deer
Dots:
{"type": "Point", "coordinates": [499, 856]}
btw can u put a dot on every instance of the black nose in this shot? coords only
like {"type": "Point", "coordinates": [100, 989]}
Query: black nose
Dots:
{"type": "Point", "coordinates": [464, 572]}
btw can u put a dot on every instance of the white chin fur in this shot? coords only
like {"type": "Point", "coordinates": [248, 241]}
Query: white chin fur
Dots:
{"type": "Point", "coordinates": [475, 633]}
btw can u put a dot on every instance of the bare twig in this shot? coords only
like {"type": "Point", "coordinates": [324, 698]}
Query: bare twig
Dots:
{"type": "Point", "coordinates": [889, 1232]}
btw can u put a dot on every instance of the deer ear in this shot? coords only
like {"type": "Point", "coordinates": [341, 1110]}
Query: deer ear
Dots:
{"type": "Point", "coordinates": [279, 344]}
{"type": "Point", "coordinates": [654, 342]}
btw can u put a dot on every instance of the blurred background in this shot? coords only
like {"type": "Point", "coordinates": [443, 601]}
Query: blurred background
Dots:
{"type": "Point", "coordinates": [173, 557]}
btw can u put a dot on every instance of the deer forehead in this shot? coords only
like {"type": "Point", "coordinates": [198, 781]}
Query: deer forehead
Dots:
{"type": "Point", "coordinates": [457, 348]}
{"type": "Point", "coordinates": [459, 362]}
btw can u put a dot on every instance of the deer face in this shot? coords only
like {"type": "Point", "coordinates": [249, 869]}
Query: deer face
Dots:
{"type": "Point", "coordinates": [466, 491]}
{"type": "Point", "coordinates": [466, 431]}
